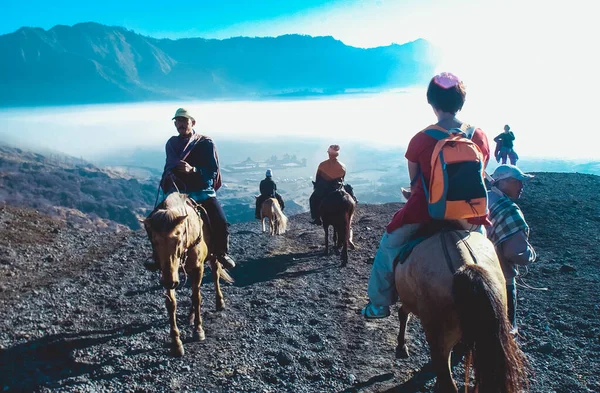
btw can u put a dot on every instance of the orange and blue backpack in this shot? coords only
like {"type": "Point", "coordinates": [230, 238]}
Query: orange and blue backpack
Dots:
{"type": "Point", "coordinates": [456, 187]}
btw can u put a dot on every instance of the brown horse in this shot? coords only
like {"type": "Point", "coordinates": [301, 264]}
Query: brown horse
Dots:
{"type": "Point", "coordinates": [336, 210]}
{"type": "Point", "coordinates": [270, 210]}
{"type": "Point", "coordinates": [180, 239]}
{"type": "Point", "coordinates": [453, 282]}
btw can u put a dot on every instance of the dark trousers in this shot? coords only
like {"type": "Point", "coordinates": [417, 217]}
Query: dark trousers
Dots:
{"type": "Point", "coordinates": [262, 198]}
{"type": "Point", "coordinates": [321, 192]}
{"type": "Point", "coordinates": [314, 201]}
{"type": "Point", "coordinates": [511, 292]}
{"type": "Point", "coordinates": [218, 225]}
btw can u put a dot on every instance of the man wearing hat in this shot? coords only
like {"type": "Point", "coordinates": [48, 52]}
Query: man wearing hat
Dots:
{"type": "Point", "coordinates": [328, 172]}
{"type": "Point", "coordinates": [509, 231]}
{"type": "Point", "coordinates": [268, 189]}
{"type": "Point", "coordinates": [192, 167]}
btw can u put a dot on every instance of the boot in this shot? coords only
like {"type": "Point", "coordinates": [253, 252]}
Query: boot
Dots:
{"type": "Point", "coordinates": [226, 261]}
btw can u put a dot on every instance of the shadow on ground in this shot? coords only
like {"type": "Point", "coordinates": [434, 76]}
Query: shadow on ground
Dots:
{"type": "Point", "coordinates": [50, 359]}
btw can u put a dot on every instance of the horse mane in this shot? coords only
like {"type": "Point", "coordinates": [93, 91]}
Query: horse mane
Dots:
{"type": "Point", "coordinates": [166, 218]}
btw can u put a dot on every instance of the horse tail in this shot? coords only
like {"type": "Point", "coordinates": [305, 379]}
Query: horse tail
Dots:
{"type": "Point", "coordinates": [500, 366]}
{"type": "Point", "coordinates": [281, 218]}
{"type": "Point", "coordinates": [222, 274]}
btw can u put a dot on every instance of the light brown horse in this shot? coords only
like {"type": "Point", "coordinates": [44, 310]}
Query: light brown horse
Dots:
{"type": "Point", "coordinates": [270, 210]}
{"type": "Point", "coordinates": [454, 283]}
{"type": "Point", "coordinates": [180, 239]}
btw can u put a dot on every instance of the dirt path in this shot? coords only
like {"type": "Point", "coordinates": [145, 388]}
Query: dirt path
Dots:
{"type": "Point", "coordinates": [92, 319]}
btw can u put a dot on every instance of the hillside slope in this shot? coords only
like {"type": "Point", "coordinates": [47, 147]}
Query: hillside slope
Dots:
{"type": "Point", "coordinates": [81, 314]}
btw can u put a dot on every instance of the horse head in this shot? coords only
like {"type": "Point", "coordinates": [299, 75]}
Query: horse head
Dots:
{"type": "Point", "coordinates": [166, 232]}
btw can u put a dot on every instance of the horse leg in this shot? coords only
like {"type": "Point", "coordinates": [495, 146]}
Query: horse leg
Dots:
{"type": "Point", "coordinates": [440, 357]}
{"type": "Point", "coordinates": [171, 303]}
{"type": "Point", "coordinates": [262, 221]}
{"type": "Point", "coordinates": [216, 274]}
{"type": "Point", "coordinates": [197, 274]}
{"type": "Point", "coordinates": [343, 237]}
{"type": "Point", "coordinates": [402, 349]}
{"type": "Point", "coordinates": [351, 244]}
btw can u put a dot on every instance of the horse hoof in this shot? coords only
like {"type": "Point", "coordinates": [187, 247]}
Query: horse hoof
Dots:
{"type": "Point", "coordinates": [220, 306]}
{"type": "Point", "coordinates": [177, 350]}
{"type": "Point", "coordinates": [402, 353]}
{"type": "Point", "coordinates": [199, 335]}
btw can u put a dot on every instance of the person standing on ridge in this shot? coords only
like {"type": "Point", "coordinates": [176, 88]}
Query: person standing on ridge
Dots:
{"type": "Point", "coordinates": [505, 147]}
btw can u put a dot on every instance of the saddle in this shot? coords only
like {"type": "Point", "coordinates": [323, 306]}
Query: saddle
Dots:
{"type": "Point", "coordinates": [200, 210]}
{"type": "Point", "coordinates": [329, 187]}
{"type": "Point", "coordinates": [425, 232]}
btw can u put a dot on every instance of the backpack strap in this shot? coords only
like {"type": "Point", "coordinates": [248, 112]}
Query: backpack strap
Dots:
{"type": "Point", "coordinates": [436, 134]}
{"type": "Point", "coordinates": [469, 132]}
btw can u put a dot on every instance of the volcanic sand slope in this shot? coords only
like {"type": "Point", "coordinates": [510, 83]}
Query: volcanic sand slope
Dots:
{"type": "Point", "coordinates": [81, 314]}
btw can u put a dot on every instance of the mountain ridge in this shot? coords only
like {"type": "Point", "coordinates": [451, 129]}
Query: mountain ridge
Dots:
{"type": "Point", "coordinates": [93, 63]}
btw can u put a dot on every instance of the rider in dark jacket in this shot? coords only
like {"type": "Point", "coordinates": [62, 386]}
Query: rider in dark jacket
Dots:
{"type": "Point", "coordinates": [192, 167]}
{"type": "Point", "coordinates": [268, 189]}
{"type": "Point", "coordinates": [329, 173]}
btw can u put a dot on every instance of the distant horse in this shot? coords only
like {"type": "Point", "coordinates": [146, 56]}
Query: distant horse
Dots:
{"type": "Point", "coordinates": [270, 210]}
{"type": "Point", "coordinates": [453, 282]}
{"type": "Point", "coordinates": [180, 239]}
{"type": "Point", "coordinates": [336, 210]}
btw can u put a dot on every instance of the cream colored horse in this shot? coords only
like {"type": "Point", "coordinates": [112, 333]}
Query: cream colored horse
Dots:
{"type": "Point", "coordinates": [453, 282]}
{"type": "Point", "coordinates": [180, 239]}
{"type": "Point", "coordinates": [270, 210]}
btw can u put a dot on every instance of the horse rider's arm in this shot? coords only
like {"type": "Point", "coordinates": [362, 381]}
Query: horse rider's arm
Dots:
{"type": "Point", "coordinates": [413, 171]}
{"type": "Point", "coordinates": [481, 140]}
{"type": "Point", "coordinates": [517, 249]}
{"type": "Point", "coordinates": [209, 171]}
{"type": "Point", "coordinates": [498, 138]}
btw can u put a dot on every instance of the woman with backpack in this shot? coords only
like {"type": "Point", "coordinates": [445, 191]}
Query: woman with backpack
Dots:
{"type": "Point", "coordinates": [446, 95]}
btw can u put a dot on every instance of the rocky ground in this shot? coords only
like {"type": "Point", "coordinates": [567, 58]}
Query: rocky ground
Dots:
{"type": "Point", "coordinates": [80, 314]}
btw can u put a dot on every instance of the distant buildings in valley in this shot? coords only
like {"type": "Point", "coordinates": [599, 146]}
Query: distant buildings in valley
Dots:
{"type": "Point", "coordinates": [273, 162]}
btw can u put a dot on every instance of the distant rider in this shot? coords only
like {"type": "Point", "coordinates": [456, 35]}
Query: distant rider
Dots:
{"type": "Point", "coordinates": [329, 172]}
{"type": "Point", "coordinates": [268, 189]}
